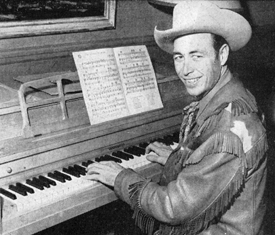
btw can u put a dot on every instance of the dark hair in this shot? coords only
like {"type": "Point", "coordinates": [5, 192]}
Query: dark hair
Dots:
{"type": "Point", "coordinates": [218, 42]}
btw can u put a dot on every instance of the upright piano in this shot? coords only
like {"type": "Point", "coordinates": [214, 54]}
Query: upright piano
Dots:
{"type": "Point", "coordinates": [46, 141]}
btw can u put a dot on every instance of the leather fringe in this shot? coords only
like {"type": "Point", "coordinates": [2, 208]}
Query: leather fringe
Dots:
{"type": "Point", "coordinates": [241, 107]}
{"type": "Point", "coordinates": [217, 143]}
{"type": "Point", "coordinates": [216, 210]}
{"type": "Point", "coordinates": [253, 156]}
{"type": "Point", "coordinates": [220, 142]}
{"type": "Point", "coordinates": [142, 220]}
{"type": "Point", "coordinates": [211, 122]}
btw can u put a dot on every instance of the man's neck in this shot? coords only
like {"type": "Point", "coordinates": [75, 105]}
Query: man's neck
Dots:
{"type": "Point", "coordinates": [224, 70]}
{"type": "Point", "coordinates": [224, 78]}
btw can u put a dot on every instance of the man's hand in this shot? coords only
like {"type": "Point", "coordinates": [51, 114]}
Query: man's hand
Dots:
{"type": "Point", "coordinates": [105, 172]}
{"type": "Point", "coordinates": [162, 152]}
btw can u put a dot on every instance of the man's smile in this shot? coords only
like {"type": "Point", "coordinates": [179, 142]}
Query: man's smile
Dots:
{"type": "Point", "coordinates": [191, 81]}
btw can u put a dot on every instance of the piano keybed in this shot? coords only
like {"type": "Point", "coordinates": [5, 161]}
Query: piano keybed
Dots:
{"type": "Point", "coordinates": [49, 188]}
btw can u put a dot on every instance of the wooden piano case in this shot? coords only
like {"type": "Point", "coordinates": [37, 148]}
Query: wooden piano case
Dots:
{"type": "Point", "coordinates": [41, 132]}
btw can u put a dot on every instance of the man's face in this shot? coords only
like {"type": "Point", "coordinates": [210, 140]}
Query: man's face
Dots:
{"type": "Point", "coordinates": [196, 62]}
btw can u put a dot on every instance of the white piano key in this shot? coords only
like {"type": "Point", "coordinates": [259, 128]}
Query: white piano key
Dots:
{"type": "Point", "coordinates": [20, 200]}
{"type": "Point", "coordinates": [174, 145]}
{"type": "Point", "coordinates": [61, 190]}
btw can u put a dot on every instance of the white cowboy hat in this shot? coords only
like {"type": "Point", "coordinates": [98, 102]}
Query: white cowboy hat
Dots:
{"type": "Point", "coordinates": [191, 17]}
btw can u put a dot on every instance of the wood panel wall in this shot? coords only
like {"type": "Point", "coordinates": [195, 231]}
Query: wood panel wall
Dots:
{"type": "Point", "coordinates": [135, 21]}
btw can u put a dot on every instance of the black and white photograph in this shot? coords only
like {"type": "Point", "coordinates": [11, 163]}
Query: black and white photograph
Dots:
{"type": "Point", "coordinates": [137, 117]}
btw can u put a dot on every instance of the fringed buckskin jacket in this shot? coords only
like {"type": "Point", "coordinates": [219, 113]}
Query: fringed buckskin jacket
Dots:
{"type": "Point", "coordinates": [213, 182]}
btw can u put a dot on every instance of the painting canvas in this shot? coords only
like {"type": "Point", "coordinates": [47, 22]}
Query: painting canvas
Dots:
{"type": "Point", "coordinates": [12, 10]}
{"type": "Point", "coordinates": [29, 17]}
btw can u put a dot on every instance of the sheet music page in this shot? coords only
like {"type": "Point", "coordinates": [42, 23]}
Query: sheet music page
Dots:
{"type": "Point", "coordinates": [138, 79]}
{"type": "Point", "coordinates": [101, 85]}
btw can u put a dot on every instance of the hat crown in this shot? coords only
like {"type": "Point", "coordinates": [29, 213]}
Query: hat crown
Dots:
{"type": "Point", "coordinates": [202, 16]}
{"type": "Point", "coordinates": [234, 5]}
{"type": "Point", "coordinates": [189, 12]}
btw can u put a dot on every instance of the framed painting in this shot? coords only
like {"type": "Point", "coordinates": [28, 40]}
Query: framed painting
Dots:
{"type": "Point", "coordinates": [22, 18]}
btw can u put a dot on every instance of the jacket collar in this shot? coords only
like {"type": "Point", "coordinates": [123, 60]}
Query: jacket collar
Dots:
{"type": "Point", "coordinates": [228, 89]}
{"type": "Point", "coordinates": [205, 101]}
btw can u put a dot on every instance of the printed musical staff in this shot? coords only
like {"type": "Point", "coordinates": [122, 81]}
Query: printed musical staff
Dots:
{"type": "Point", "coordinates": [117, 82]}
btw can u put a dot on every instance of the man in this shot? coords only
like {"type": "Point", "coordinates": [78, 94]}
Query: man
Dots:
{"type": "Point", "coordinates": [213, 182]}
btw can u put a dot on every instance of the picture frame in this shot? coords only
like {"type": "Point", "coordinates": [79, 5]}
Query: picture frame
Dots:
{"type": "Point", "coordinates": [58, 25]}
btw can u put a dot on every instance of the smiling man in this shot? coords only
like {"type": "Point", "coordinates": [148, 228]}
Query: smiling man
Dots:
{"type": "Point", "coordinates": [197, 63]}
{"type": "Point", "coordinates": [213, 182]}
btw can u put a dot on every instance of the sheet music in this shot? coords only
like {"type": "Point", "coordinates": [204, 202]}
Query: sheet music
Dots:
{"type": "Point", "coordinates": [138, 79]}
{"type": "Point", "coordinates": [117, 82]}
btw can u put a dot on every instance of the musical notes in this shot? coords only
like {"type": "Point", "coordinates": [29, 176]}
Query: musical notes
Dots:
{"type": "Point", "coordinates": [138, 78]}
{"type": "Point", "coordinates": [117, 82]}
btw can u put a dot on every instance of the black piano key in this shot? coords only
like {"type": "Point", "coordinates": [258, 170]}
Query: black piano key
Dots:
{"type": "Point", "coordinates": [41, 182]}
{"type": "Point", "coordinates": [23, 186]}
{"type": "Point", "coordinates": [167, 140]}
{"type": "Point", "coordinates": [123, 155]}
{"type": "Point", "coordinates": [111, 158]}
{"type": "Point", "coordinates": [108, 158]}
{"type": "Point", "coordinates": [161, 140]}
{"type": "Point", "coordinates": [18, 190]}
{"type": "Point", "coordinates": [105, 158]}
{"type": "Point", "coordinates": [142, 151]}
{"type": "Point", "coordinates": [87, 163]}
{"type": "Point", "coordinates": [70, 170]}
{"type": "Point", "coordinates": [139, 150]}
{"type": "Point", "coordinates": [135, 150]}
{"type": "Point", "coordinates": [74, 171]}
{"type": "Point", "coordinates": [90, 162]}
{"type": "Point", "coordinates": [175, 137]}
{"type": "Point", "coordinates": [126, 154]}
{"type": "Point", "coordinates": [80, 169]}
{"type": "Point", "coordinates": [8, 194]}
{"type": "Point", "coordinates": [171, 140]}
{"type": "Point", "coordinates": [65, 176]}
{"type": "Point", "coordinates": [131, 151]}
{"type": "Point", "coordinates": [153, 140]}
{"type": "Point", "coordinates": [56, 177]}
{"type": "Point", "coordinates": [143, 145]}
{"type": "Point", "coordinates": [49, 181]}
{"type": "Point", "coordinates": [34, 184]}
{"type": "Point", "coordinates": [98, 159]}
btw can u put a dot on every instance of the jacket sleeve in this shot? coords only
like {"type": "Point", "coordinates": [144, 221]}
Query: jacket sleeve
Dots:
{"type": "Point", "coordinates": [203, 189]}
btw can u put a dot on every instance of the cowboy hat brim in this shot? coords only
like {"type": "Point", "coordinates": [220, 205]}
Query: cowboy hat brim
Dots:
{"type": "Point", "coordinates": [234, 28]}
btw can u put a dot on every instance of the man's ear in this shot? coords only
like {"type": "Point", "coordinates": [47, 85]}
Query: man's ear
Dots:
{"type": "Point", "coordinates": [223, 54]}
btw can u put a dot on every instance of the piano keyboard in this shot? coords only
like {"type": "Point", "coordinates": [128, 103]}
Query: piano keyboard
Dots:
{"type": "Point", "coordinates": [51, 187]}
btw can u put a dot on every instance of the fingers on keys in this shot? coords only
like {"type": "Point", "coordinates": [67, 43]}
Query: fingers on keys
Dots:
{"type": "Point", "coordinates": [155, 146]}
